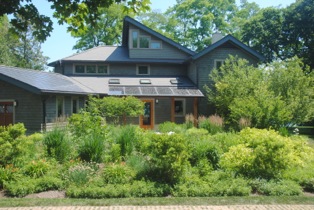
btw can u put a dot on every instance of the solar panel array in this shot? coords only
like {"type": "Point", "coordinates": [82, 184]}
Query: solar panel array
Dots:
{"type": "Point", "coordinates": [154, 91]}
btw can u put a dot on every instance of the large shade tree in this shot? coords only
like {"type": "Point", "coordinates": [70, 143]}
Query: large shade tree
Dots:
{"type": "Point", "coordinates": [78, 12]}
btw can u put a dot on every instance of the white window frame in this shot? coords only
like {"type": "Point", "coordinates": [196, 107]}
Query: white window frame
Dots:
{"type": "Point", "coordinates": [218, 60]}
{"type": "Point", "coordinates": [90, 64]}
{"type": "Point", "coordinates": [184, 106]}
{"type": "Point", "coordinates": [137, 69]}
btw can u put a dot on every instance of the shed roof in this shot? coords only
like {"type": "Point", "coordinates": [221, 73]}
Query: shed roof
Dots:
{"type": "Point", "coordinates": [111, 54]}
{"type": "Point", "coordinates": [41, 82]}
{"type": "Point", "coordinates": [128, 20]}
{"type": "Point", "coordinates": [158, 86]}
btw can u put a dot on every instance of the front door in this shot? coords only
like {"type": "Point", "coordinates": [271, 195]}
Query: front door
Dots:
{"type": "Point", "coordinates": [147, 120]}
{"type": "Point", "coordinates": [6, 113]}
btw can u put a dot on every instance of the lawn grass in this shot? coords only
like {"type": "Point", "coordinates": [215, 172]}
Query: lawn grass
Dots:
{"type": "Point", "coordinates": [253, 200]}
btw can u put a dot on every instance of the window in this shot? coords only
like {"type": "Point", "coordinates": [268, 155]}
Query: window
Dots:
{"type": "Point", "coordinates": [144, 41]}
{"type": "Point", "coordinates": [60, 106]}
{"type": "Point", "coordinates": [103, 69]}
{"type": "Point", "coordinates": [75, 105]}
{"type": "Point", "coordinates": [134, 39]}
{"type": "Point", "coordinates": [142, 70]}
{"type": "Point", "coordinates": [79, 69]}
{"type": "Point", "coordinates": [91, 69]}
{"type": "Point", "coordinates": [155, 45]}
{"type": "Point", "coordinates": [179, 107]}
{"type": "Point", "coordinates": [218, 63]}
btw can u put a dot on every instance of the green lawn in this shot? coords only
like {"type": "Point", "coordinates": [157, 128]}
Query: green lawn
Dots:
{"type": "Point", "coordinates": [14, 202]}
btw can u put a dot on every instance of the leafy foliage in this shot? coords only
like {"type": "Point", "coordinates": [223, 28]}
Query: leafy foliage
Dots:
{"type": "Point", "coordinates": [269, 96]}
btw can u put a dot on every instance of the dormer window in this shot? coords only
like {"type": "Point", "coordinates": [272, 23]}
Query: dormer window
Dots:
{"type": "Point", "coordinates": [142, 70]}
{"type": "Point", "coordinates": [138, 41]}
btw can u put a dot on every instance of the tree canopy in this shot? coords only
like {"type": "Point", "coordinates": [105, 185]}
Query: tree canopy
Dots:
{"type": "Point", "coordinates": [272, 95]}
{"type": "Point", "coordinates": [77, 13]}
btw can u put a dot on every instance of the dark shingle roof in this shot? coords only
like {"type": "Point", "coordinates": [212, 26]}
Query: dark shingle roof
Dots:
{"type": "Point", "coordinates": [233, 40]}
{"type": "Point", "coordinates": [41, 82]}
{"type": "Point", "coordinates": [112, 54]}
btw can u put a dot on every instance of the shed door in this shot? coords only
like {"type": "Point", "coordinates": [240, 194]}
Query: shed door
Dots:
{"type": "Point", "coordinates": [147, 120]}
{"type": "Point", "coordinates": [6, 113]}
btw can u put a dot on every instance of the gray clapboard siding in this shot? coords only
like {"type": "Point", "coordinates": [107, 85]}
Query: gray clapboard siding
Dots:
{"type": "Point", "coordinates": [29, 106]}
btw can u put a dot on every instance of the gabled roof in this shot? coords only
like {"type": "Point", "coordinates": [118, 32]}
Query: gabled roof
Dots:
{"type": "Point", "coordinates": [128, 20]}
{"type": "Point", "coordinates": [39, 82]}
{"type": "Point", "coordinates": [111, 54]}
{"type": "Point", "coordinates": [232, 40]}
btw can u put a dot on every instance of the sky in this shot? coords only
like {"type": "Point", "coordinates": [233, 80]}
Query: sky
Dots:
{"type": "Point", "coordinates": [59, 44]}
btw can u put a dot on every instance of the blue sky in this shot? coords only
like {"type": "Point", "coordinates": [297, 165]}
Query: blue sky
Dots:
{"type": "Point", "coordinates": [60, 43]}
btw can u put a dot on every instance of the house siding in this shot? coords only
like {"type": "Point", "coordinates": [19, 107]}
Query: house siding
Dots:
{"type": "Point", "coordinates": [29, 106]}
{"type": "Point", "coordinates": [206, 63]}
{"type": "Point", "coordinates": [128, 69]}
{"type": "Point", "coordinates": [166, 52]}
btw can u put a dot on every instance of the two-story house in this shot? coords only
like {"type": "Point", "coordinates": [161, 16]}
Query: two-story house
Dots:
{"type": "Point", "coordinates": [168, 77]}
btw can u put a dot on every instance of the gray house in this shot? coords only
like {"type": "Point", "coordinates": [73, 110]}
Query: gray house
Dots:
{"type": "Point", "coordinates": [168, 77]}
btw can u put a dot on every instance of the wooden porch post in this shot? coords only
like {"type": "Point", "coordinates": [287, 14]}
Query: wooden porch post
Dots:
{"type": "Point", "coordinates": [172, 109]}
{"type": "Point", "coordinates": [195, 106]}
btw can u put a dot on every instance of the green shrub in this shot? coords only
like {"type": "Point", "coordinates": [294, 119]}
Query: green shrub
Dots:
{"type": "Point", "coordinates": [136, 189]}
{"type": "Point", "coordinates": [167, 127]}
{"type": "Point", "coordinates": [279, 188]}
{"type": "Point", "coordinates": [167, 156]}
{"type": "Point", "coordinates": [263, 154]}
{"type": "Point", "coordinates": [139, 164]}
{"type": "Point", "coordinates": [37, 169]}
{"type": "Point", "coordinates": [215, 184]}
{"type": "Point", "coordinates": [7, 174]}
{"type": "Point", "coordinates": [58, 144]}
{"type": "Point", "coordinates": [118, 174]}
{"type": "Point", "coordinates": [189, 121]}
{"type": "Point", "coordinates": [15, 147]}
{"type": "Point", "coordinates": [213, 124]}
{"type": "Point", "coordinates": [127, 138]}
{"type": "Point", "coordinates": [79, 174]}
{"type": "Point", "coordinates": [26, 185]}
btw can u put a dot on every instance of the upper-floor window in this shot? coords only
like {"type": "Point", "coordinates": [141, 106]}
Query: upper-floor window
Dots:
{"type": "Point", "coordinates": [142, 70]}
{"type": "Point", "coordinates": [218, 63]}
{"type": "Point", "coordinates": [143, 42]}
{"type": "Point", "coordinates": [91, 69]}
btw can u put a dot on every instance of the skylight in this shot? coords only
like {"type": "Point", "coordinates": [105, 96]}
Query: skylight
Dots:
{"type": "Point", "coordinates": [114, 81]}
{"type": "Point", "coordinates": [175, 81]}
{"type": "Point", "coordinates": [145, 81]}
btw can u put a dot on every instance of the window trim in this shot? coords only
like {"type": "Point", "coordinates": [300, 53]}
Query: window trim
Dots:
{"type": "Point", "coordinates": [156, 41]}
{"type": "Point", "coordinates": [218, 60]}
{"type": "Point", "coordinates": [63, 106]}
{"type": "Point", "coordinates": [77, 104]}
{"type": "Point", "coordinates": [131, 38]}
{"type": "Point", "coordinates": [137, 69]}
{"type": "Point", "coordinates": [184, 107]}
{"type": "Point", "coordinates": [90, 64]}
